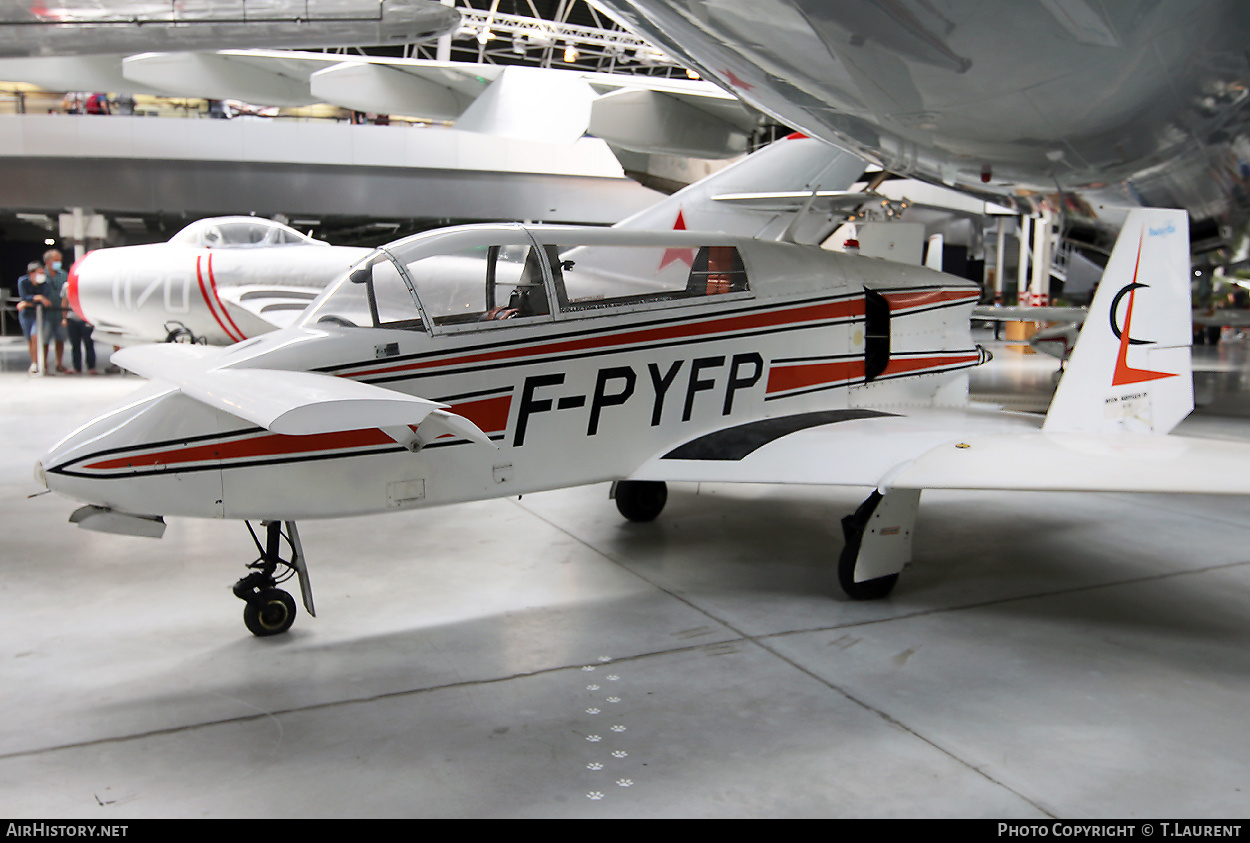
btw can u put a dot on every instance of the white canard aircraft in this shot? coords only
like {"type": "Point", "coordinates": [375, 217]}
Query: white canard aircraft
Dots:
{"type": "Point", "coordinates": [485, 361]}
{"type": "Point", "coordinates": [220, 280]}
{"type": "Point", "coordinates": [493, 360]}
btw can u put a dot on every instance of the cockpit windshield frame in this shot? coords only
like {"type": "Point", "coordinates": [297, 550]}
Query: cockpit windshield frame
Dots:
{"type": "Point", "coordinates": [374, 293]}
{"type": "Point", "coordinates": [487, 277]}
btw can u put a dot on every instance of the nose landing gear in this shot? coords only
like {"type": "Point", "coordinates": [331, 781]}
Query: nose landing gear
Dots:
{"type": "Point", "coordinates": [269, 609]}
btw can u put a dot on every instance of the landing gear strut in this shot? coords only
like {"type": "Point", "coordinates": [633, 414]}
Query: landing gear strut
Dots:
{"type": "Point", "coordinates": [269, 609]}
{"type": "Point", "coordinates": [878, 543]}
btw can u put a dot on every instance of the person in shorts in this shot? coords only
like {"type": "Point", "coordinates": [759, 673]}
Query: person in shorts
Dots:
{"type": "Point", "coordinates": [58, 281]}
{"type": "Point", "coordinates": [34, 293]}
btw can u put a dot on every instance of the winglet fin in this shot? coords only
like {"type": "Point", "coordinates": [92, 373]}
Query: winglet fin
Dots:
{"type": "Point", "coordinates": [794, 163]}
{"type": "Point", "coordinates": [1131, 369]}
{"type": "Point", "coordinates": [790, 234]}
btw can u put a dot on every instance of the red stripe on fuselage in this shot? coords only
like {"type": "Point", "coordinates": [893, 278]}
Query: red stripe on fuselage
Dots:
{"type": "Point", "coordinates": [213, 281]}
{"type": "Point", "coordinates": [785, 378]}
{"type": "Point", "coordinates": [924, 298]}
{"type": "Point", "coordinates": [208, 300]}
{"type": "Point", "coordinates": [904, 365]}
{"type": "Point", "coordinates": [489, 414]}
{"type": "Point", "coordinates": [71, 288]}
{"type": "Point", "coordinates": [789, 377]}
{"type": "Point", "coordinates": [849, 309]}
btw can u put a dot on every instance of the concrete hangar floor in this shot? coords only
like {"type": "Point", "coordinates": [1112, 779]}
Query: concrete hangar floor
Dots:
{"type": "Point", "coordinates": [1063, 655]}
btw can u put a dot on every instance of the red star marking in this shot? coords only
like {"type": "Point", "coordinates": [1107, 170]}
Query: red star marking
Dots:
{"type": "Point", "coordinates": [732, 79]}
{"type": "Point", "coordinates": [686, 256]}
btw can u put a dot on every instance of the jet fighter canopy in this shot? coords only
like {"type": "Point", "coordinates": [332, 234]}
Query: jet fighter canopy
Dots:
{"type": "Point", "coordinates": [240, 232]}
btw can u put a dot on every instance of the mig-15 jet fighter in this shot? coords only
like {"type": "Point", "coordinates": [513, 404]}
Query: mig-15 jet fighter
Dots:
{"type": "Point", "coordinates": [219, 280]}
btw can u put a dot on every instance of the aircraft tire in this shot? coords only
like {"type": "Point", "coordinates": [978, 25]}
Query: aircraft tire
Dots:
{"type": "Point", "coordinates": [641, 500]}
{"type": "Point", "coordinates": [853, 531]}
{"type": "Point", "coordinates": [866, 590]}
{"type": "Point", "coordinates": [272, 613]}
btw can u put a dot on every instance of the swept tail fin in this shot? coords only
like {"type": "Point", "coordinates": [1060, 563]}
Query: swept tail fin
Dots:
{"type": "Point", "coordinates": [1131, 368]}
{"type": "Point", "coordinates": [795, 163]}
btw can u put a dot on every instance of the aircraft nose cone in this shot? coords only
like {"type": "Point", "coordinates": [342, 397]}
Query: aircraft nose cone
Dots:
{"type": "Point", "coordinates": [71, 286]}
{"type": "Point", "coordinates": [144, 456]}
{"type": "Point", "coordinates": [59, 455]}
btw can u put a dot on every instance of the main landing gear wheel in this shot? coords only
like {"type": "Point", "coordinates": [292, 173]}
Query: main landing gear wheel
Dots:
{"type": "Point", "coordinates": [269, 609]}
{"type": "Point", "coordinates": [853, 527]}
{"type": "Point", "coordinates": [640, 500]}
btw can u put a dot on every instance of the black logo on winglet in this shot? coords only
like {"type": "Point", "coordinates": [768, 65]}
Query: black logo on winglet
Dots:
{"type": "Point", "coordinates": [1115, 305]}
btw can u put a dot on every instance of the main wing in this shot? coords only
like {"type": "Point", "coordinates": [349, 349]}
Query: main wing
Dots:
{"type": "Point", "coordinates": [973, 449]}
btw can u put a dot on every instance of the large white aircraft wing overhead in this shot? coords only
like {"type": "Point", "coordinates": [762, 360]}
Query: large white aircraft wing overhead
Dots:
{"type": "Point", "coordinates": [84, 27]}
{"type": "Point", "coordinates": [988, 96]}
{"type": "Point", "coordinates": [646, 114]}
{"type": "Point", "coordinates": [255, 77]}
{"type": "Point", "coordinates": [427, 89]}
{"type": "Point", "coordinates": [640, 113]}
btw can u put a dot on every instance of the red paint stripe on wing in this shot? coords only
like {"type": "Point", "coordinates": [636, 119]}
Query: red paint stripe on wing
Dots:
{"type": "Point", "coordinates": [268, 445]}
{"type": "Point", "coordinates": [489, 414]}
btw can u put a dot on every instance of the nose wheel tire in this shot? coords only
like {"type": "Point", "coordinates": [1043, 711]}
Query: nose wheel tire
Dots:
{"type": "Point", "coordinates": [270, 613]}
{"type": "Point", "coordinates": [269, 609]}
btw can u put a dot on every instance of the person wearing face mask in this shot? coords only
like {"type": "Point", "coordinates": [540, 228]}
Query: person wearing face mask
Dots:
{"type": "Point", "coordinates": [33, 292]}
{"type": "Point", "coordinates": [58, 278]}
